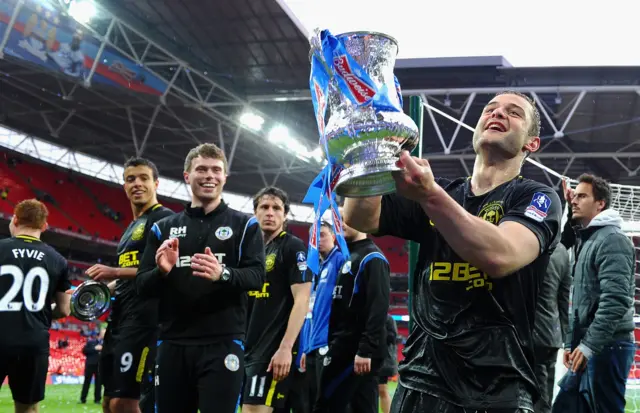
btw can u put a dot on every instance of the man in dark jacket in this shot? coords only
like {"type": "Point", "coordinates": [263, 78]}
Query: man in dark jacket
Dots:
{"type": "Point", "coordinates": [600, 336]}
{"type": "Point", "coordinates": [551, 324]}
{"type": "Point", "coordinates": [92, 350]}
{"type": "Point", "coordinates": [357, 331]}
{"type": "Point", "coordinates": [201, 263]}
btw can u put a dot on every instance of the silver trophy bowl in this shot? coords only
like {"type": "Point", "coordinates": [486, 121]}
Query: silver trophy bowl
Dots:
{"type": "Point", "coordinates": [90, 300]}
{"type": "Point", "coordinates": [366, 142]}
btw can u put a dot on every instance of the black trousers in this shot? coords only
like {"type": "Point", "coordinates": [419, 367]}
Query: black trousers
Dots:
{"type": "Point", "coordinates": [91, 371]}
{"type": "Point", "coordinates": [298, 398]}
{"type": "Point", "coordinates": [342, 391]}
{"type": "Point", "coordinates": [314, 371]}
{"type": "Point", "coordinates": [205, 378]}
{"type": "Point", "coordinates": [545, 370]}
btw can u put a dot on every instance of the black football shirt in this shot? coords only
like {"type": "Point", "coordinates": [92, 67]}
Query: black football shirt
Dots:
{"type": "Point", "coordinates": [31, 273]}
{"type": "Point", "coordinates": [471, 342]}
{"type": "Point", "coordinates": [286, 265]}
{"type": "Point", "coordinates": [128, 308]}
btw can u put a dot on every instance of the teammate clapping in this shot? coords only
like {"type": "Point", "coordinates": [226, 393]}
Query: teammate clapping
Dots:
{"type": "Point", "coordinates": [130, 340]}
{"type": "Point", "coordinates": [278, 310]}
{"type": "Point", "coordinates": [201, 263]}
{"type": "Point", "coordinates": [33, 282]}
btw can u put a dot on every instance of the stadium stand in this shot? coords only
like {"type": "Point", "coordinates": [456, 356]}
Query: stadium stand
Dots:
{"type": "Point", "coordinates": [18, 189]}
{"type": "Point", "coordinates": [97, 208]}
{"type": "Point", "coordinates": [66, 360]}
{"type": "Point", "coordinates": [81, 206]}
{"type": "Point", "coordinates": [93, 207]}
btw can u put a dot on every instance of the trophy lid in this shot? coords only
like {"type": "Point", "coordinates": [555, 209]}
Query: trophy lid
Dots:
{"type": "Point", "coordinates": [315, 38]}
{"type": "Point", "coordinates": [363, 33]}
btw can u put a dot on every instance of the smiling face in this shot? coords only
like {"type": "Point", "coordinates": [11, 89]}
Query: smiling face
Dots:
{"type": "Point", "coordinates": [139, 185]}
{"type": "Point", "coordinates": [507, 127]}
{"type": "Point", "coordinates": [206, 177]}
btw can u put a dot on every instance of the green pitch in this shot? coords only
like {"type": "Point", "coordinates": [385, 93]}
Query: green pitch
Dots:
{"type": "Point", "coordinates": [64, 399]}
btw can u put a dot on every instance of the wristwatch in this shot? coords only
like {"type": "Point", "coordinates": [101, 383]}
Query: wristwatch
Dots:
{"type": "Point", "coordinates": [226, 274]}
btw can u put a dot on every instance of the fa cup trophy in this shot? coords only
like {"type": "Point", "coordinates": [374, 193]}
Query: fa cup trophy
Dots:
{"type": "Point", "coordinates": [352, 76]}
{"type": "Point", "coordinates": [90, 300]}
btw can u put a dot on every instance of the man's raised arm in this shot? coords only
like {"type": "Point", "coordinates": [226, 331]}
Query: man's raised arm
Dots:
{"type": "Point", "coordinates": [387, 215]}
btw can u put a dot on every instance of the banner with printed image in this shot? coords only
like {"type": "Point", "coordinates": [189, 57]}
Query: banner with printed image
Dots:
{"type": "Point", "coordinates": [47, 38]}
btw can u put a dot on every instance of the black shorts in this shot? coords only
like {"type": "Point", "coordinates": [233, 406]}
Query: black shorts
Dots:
{"type": "Point", "coordinates": [27, 374]}
{"type": "Point", "coordinates": [298, 398]}
{"type": "Point", "coordinates": [261, 390]}
{"type": "Point", "coordinates": [127, 362]}
{"type": "Point", "coordinates": [204, 377]}
{"type": "Point", "coordinates": [383, 379]}
{"type": "Point", "coordinates": [341, 389]}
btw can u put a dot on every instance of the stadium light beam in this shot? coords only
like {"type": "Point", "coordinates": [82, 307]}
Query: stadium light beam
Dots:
{"type": "Point", "coordinates": [82, 11]}
{"type": "Point", "coordinates": [279, 135]}
{"type": "Point", "coordinates": [317, 154]}
{"type": "Point", "coordinates": [252, 121]}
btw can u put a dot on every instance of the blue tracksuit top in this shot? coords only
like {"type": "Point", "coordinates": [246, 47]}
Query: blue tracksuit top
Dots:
{"type": "Point", "coordinates": [321, 298]}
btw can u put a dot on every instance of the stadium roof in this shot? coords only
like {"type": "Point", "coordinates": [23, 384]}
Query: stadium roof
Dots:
{"type": "Point", "coordinates": [161, 77]}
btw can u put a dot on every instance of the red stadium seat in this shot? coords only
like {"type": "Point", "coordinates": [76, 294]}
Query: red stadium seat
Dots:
{"type": "Point", "coordinates": [75, 201]}
{"type": "Point", "coordinates": [78, 204]}
{"type": "Point", "coordinates": [69, 360]}
{"type": "Point", "coordinates": [20, 190]}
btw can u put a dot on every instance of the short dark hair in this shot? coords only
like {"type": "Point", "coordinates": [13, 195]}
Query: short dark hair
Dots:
{"type": "Point", "coordinates": [205, 150]}
{"type": "Point", "coordinates": [327, 225]}
{"type": "Point", "coordinates": [275, 192]}
{"type": "Point", "coordinates": [136, 161]}
{"type": "Point", "coordinates": [600, 188]}
{"type": "Point", "coordinates": [534, 130]}
{"type": "Point", "coordinates": [31, 213]}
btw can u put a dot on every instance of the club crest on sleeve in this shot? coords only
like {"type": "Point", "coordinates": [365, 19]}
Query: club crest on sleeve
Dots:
{"type": "Point", "coordinates": [301, 258]}
{"type": "Point", "coordinates": [538, 208]}
{"type": "Point", "coordinates": [224, 233]}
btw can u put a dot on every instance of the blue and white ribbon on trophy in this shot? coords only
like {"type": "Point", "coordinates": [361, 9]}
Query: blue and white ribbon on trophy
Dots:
{"type": "Point", "coordinates": [330, 60]}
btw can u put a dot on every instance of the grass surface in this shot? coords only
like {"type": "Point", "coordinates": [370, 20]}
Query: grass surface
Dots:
{"type": "Point", "coordinates": [64, 398]}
